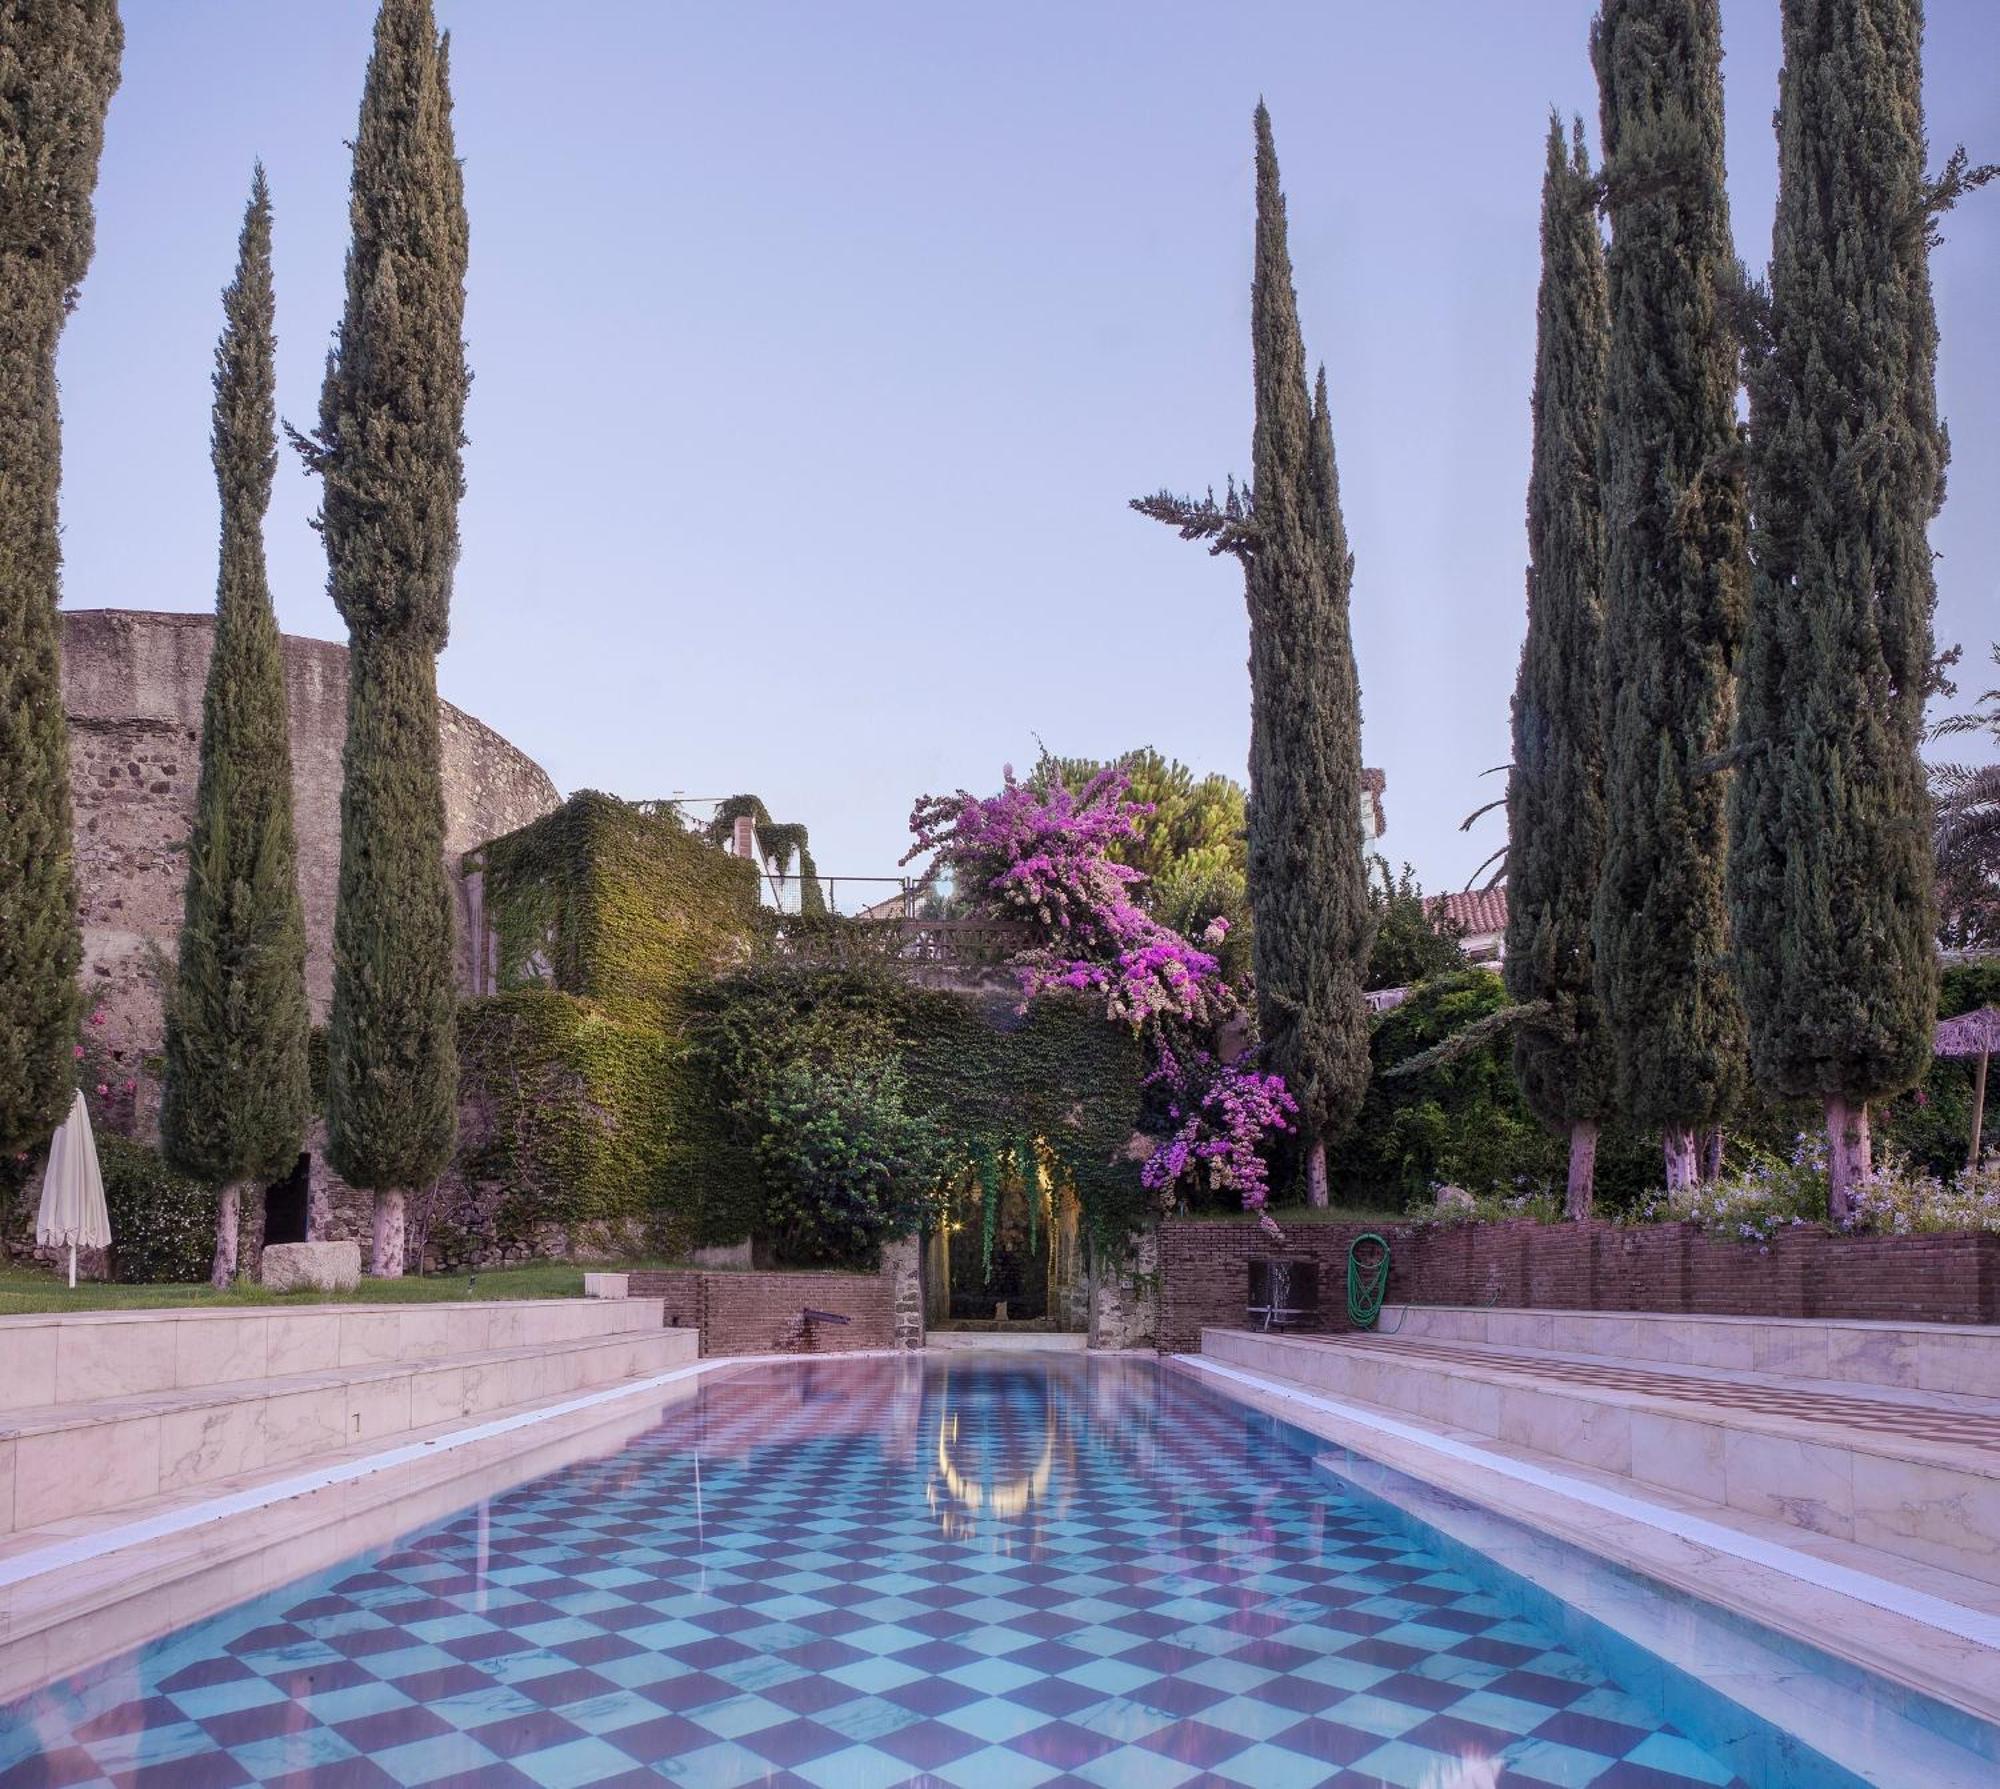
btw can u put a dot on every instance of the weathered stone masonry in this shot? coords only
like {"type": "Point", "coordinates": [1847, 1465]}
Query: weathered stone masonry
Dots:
{"type": "Point", "coordinates": [132, 689]}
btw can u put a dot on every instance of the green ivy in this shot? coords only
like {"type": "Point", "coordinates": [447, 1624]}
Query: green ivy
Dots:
{"type": "Point", "coordinates": [985, 1074]}
{"type": "Point", "coordinates": [616, 904]}
{"type": "Point", "coordinates": [581, 1104]}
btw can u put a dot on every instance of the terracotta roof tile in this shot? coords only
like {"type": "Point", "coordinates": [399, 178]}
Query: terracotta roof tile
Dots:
{"type": "Point", "coordinates": [1478, 910]}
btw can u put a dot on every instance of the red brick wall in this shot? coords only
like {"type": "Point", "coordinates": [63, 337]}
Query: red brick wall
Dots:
{"type": "Point", "coordinates": [1596, 1266]}
{"type": "Point", "coordinates": [759, 1313]}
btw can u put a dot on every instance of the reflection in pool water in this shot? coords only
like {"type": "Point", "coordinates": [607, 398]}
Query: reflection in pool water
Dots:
{"type": "Point", "coordinates": [984, 1571]}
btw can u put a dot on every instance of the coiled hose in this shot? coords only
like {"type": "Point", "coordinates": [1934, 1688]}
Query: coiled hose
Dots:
{"type": "Point", "coordinates": [1367, 1280]}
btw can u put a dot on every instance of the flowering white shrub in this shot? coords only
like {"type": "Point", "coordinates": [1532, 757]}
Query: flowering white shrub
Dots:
{"type": "Point", "coordinates": [1764, 1196]}
{"type": "Point", "coordinates": [1893, 1201]}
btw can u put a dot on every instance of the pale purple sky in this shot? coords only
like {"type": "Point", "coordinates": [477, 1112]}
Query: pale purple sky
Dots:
{"type": "Point", "coordinates": [818, 347]}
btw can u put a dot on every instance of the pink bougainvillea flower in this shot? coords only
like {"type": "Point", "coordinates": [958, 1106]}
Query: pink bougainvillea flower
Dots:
{"type": "Point", "coordinates": [101, 1088]}
{"type": "Point", "coordinates": [79, 1052]}
{"type": "Point", "coordinates": [1042, 861]}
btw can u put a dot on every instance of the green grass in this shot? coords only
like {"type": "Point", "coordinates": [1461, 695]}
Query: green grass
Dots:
{"type": "Point", "coordinates": [1306, 1214]}
{"type": "Point", "coordinates": [26, 1290]}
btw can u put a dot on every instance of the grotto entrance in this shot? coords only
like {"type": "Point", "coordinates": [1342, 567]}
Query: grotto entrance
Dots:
{"type": "Point", "coordinates": [1009, 1256]}
{"type": "Point", "coordinates": [285, 1204]}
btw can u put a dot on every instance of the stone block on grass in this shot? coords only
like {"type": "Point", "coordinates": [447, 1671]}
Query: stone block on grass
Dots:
{"type": "Point", "coordinates": [312, 1267]}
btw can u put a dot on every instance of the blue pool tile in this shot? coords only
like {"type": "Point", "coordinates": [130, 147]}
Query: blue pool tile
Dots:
{"type": "Point", "coordinates": [812, 1608]}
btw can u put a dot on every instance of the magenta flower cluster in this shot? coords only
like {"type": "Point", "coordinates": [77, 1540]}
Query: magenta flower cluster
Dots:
{"type": "Point", "coordinates": [1042, 860]}
{"type": "Point", "coordinates": [1224, 1116]}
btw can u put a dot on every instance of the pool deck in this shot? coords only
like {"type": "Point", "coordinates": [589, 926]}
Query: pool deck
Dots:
{"type": "Point", "coordinates": [1837, 1482]}
{"type": "Point", "coordinates": [157, 1466]}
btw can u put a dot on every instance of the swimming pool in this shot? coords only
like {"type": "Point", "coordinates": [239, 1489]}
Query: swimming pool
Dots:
{"type": "Point", "coordinates": [977, 1570]}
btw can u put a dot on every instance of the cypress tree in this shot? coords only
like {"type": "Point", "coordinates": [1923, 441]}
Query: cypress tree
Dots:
{"type": "Point", "coordinates": [1555, 790]}
{"type": "Point", "coordinates": [1675, 573]}
{"type": "Point", "coordinates": [58, 70]}
{"type": "Point", "coordinates": [1308, 882]}
{"type": "Point", "coordinates": [236, 1092]}
{"type": "Point", "coordinates": [388, 448]}
{"type": "Point", "coordinates": [1831, 867]}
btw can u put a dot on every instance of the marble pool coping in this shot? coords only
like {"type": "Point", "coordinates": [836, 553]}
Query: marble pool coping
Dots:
{"type": "Point", "coordinates": [1928, 1643]}
{"type": "Point", "coordinates": [80, 1595]}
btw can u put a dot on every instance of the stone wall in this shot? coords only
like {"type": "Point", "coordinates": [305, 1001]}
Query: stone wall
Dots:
{"type": "Point", "coordinates": [132, 689]}
{"type": "Point", "coordinates": [1595, 1266]}
{"type": "Point", "coordinates": [761, 1312]}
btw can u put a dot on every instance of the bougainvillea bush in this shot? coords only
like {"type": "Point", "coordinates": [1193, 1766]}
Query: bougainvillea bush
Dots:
{"type": "Point", "coordinates": [1042, 858]}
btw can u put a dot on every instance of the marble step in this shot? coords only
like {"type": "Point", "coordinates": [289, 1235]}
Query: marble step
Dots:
{"type": "Point", "coordinates": [73, 1357]}
{"type": "Point", "coordinates": [1912, 1474]}
{"type": "Point", "coordinates": [1944, 1357]}
{"type": "Point", "coordinates": [68, 1460]}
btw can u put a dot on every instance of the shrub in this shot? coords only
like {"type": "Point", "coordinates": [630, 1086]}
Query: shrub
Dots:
{"type": "Point", "coordinates": [1460, 1122]}
{"type": "Point", "coordinates": [162, 1223]}
{"type": "Point", "coordinates": [847, 1161]}
{"type": "Point", "coordinates": [1898, 1200]}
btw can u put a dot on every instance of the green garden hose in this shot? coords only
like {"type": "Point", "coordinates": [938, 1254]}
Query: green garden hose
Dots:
{"type": "Point", "coordinates": [1367, 1283]}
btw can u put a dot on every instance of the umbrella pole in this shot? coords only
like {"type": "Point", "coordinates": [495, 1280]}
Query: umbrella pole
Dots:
{"type": "Point", "coordinates": [1978, 1108]}
{"type": "Point", "coordinates": [72, 1267]}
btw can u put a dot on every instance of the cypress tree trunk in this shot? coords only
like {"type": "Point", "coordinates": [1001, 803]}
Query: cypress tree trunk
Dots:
{"type": "Point", "coordinates": [388, 447]}
{"type": "Point", "coordinates": [1675, 579]}
{"type": "Point", "coordinates": [1831, 867]}
{"type": "Point", "coordinates": [237, 1089]}
{"type": "Point", "coordinates": [1308, 884]}
{"type": "Point", "coordinates": [1713, 1138]}
{"type": "Point", "coordinates": [1582, 1187]}
{"type": "Point", "coordinates": [1850, 1153]}
{"type": "Point", "coordinates": [228, 1225]}
{"type": "Point", "coordinates": [58, 70]}
{"type": "Point", "coordinates": [1555, 790]}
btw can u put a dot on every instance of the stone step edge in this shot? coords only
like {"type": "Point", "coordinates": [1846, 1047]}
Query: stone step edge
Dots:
{"type": "Point", "coordinates": [1503, 1354]}
{"type": "Point", "coordinates": [599, 1360]}
{"type": "Point", "coordinates": [1657, 1541]}
{"type": "Point", "coordinates": [50, 1419]}
{"type": "Point", "coordinates": [1946, 1358]}
{"type": "Point", "coordinates": [1976, 1331]}
{"type": "Point", "coordinates": [185, 1556]}
{"type": "Point", "coordinates": [15, 1320]}
{"type": "Point", "coordinates": [1914, 1450]}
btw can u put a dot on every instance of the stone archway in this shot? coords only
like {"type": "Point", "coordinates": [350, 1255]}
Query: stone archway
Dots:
{"type": "Point", "coordinates": [1035, 1277]}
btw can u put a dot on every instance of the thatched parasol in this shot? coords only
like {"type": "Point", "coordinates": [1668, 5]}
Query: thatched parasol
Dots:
{"type": "Point", "coordinates": [1976, 1033]}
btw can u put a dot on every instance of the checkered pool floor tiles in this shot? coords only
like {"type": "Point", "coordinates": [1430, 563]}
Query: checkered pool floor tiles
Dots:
{"type": "Point", "coordinates": [973, 1572]}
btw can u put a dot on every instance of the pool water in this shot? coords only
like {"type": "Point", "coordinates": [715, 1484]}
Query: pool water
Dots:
{"type": "Point", "coordinates": [985, 1571]}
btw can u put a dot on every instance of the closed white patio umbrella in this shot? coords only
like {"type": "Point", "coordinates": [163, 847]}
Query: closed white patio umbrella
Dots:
{"type": "Point", "coordinates": [72, 1213]}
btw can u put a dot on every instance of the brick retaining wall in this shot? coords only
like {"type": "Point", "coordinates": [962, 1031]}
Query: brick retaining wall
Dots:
{"type": "Point", "coordinates": [758, 1313]}
{"type": "Point", "coordinates": [1594, 1266]}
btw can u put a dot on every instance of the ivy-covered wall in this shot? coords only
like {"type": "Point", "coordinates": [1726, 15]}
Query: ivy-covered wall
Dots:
{"type": "Point", "coordinates": [583, 1128]}
{"type": "Point", "coordinates": [991, 1078]}
{"type": "Point", "coordinates": [615, 904]}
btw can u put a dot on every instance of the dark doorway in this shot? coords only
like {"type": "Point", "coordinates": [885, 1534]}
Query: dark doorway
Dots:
{"type": "Point", "coordinates": [285, 1204]}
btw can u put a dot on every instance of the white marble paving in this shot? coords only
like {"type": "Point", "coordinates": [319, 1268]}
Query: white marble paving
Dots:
{"type": "Point", "coordinates": [1979, 1625]}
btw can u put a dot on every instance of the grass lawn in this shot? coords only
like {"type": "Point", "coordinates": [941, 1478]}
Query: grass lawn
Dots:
{"type": "Point", "coordinates": [1306, 1214]}
{"type": "Point", "coordinates": [25, 1290]}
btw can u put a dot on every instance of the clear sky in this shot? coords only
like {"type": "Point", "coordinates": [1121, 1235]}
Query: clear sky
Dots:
{"type": "Point", "coordinates": [817, 348]}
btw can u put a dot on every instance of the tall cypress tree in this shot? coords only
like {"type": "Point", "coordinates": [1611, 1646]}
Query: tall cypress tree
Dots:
{"type": "Point", "coordinates": [388, 447]}
{"type": "Point", "coordinates": [1831, 867]}
{"type": "Point", "coordinates": [1308, 883]}
{"type": "Point", "coordinates": [236, 1094]}
{"type": "Point", "coordinates": [58, 70]}
{"type": "Point", "coordinates": [1676, 574]}
{"type": "Point", "coordinates": [1555, 791]}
